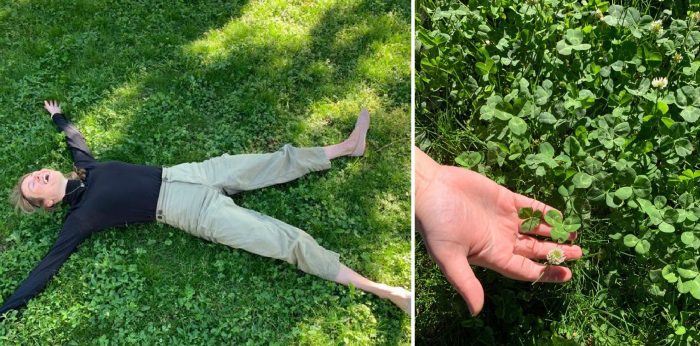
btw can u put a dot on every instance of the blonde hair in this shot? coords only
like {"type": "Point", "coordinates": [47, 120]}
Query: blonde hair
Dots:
{"type": "Point", "coordinates": [29, 205]}
{"type": "Point", "coordinates": [22, 203]}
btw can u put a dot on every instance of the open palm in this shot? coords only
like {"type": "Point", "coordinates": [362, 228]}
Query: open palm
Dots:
{"type": "Point", "coordinates": [467, 218]}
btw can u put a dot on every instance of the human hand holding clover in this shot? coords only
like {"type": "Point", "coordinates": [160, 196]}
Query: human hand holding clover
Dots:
{"type": "Point", "coordinates": [468, 219]}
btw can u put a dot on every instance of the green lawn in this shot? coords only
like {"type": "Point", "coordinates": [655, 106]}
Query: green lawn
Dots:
{"type": "Point", "coordinates": [184, 81]}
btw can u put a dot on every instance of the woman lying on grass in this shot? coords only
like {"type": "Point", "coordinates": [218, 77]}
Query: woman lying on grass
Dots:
{"type": "Point", "coordinates": [189, 196]}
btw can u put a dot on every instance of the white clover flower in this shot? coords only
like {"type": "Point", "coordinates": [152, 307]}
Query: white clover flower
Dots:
{"type": "Point", "coordinates": [659, 82]}
{"type": "Point", "coordinates": [696, 16]}
{"type": "Point", "coordinates": [657, 26]}
{"type": "Point", "coordinates": [599, 14]}
{"type": "Point", "coordinates": [556, 256]}
{"type": "Point", "coordinates": [677, 58]}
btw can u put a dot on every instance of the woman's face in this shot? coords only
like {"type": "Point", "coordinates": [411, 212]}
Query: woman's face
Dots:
{"type": "Point", "coordinates": [45, 184]}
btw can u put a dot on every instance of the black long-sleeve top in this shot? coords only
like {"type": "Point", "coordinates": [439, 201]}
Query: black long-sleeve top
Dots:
{"type": "Point", "coordinates": [114, 194]}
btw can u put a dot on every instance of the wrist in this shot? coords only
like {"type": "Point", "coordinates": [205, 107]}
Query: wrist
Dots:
{"type": "Point", "coordinates": [425, 171]}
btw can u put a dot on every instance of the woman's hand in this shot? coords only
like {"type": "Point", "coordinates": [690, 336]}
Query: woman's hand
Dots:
{"type": "Point", "coordinates": [52, 107]}
{"type": "Point", "coordinates": [466, 218]}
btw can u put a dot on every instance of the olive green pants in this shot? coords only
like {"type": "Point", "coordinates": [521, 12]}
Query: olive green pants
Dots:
{"type": "Point", "coordinates": [193, 198]}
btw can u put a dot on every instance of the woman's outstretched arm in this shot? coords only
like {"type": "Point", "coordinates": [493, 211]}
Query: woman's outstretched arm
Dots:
{"type": "Point", "coordinates": [75, 140]}
{"type": "Point", "coordinates": [68, 240]}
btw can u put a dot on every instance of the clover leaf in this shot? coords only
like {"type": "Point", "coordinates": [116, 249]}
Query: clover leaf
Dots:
{"type": "Point", "coordinates": [531, 219]}
{"type": "Point", "coordinates": [560, 228]}
{"type": "Point", "coordinates": [582, 180]}
{"type": "Point", "coordinates": [553, 218]}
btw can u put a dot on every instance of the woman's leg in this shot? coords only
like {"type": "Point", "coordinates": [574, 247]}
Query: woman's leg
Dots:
{"type": "Point", "coordinates": [398, 295]}
{"type": "Point", "coordinates": [224, 222]}
{"type": "Point", "coordinates": [244, 172]}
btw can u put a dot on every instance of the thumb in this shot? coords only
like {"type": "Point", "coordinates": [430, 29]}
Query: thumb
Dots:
{"type": "Point", "coordinates": [456, 268]}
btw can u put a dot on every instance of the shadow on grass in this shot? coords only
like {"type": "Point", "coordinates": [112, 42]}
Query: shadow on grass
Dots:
{"type": "Point", "coordinates": [162, 101]}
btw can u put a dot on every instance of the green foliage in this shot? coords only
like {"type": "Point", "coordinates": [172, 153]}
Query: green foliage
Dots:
{"type": "Point", "coordinates": [166, 83]}
{"type": "Point", "coordinates": [567, 102]}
